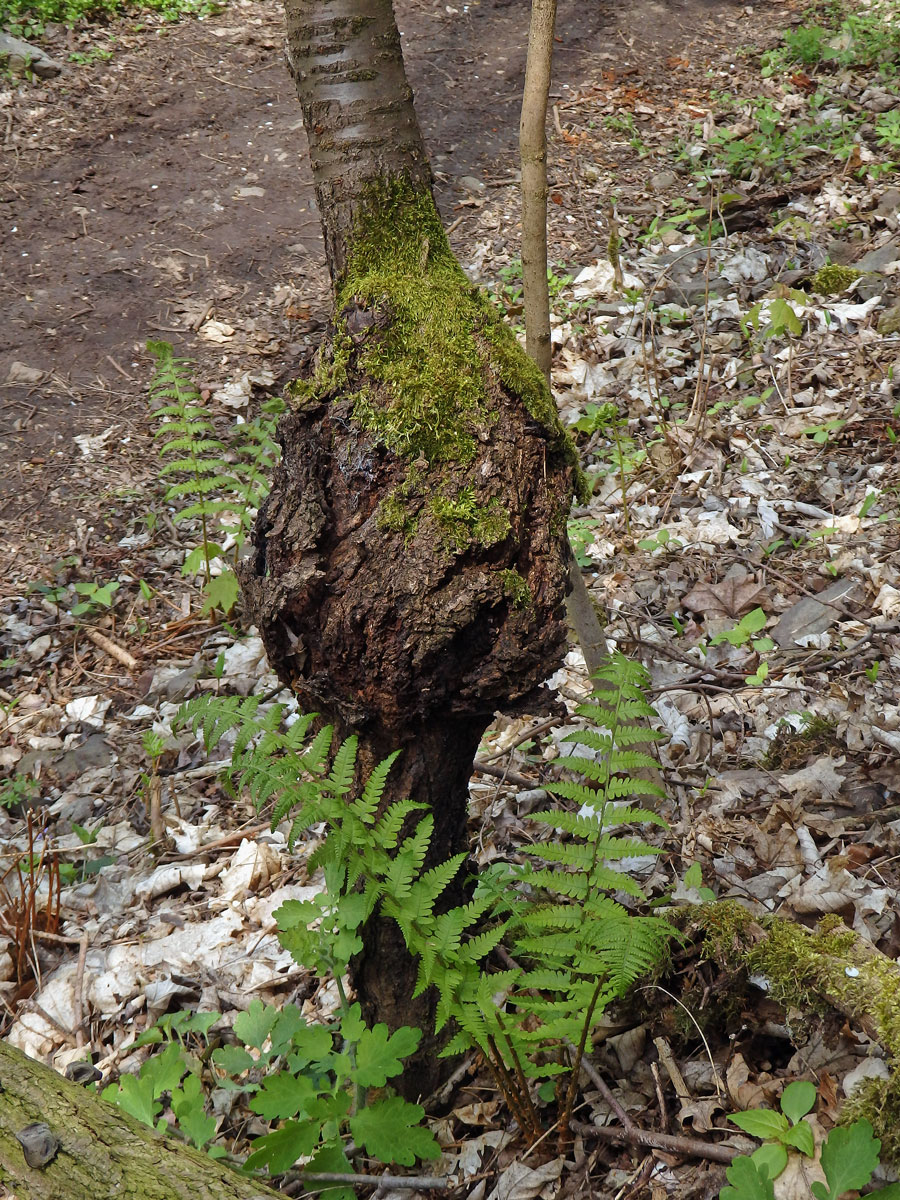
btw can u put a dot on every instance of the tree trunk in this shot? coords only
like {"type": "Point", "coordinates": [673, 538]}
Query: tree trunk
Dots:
{"type": "Point", "coordinates": [102, 1152]}
{"type": "Point", "coordinates": [409, 573]}
{"type": "Point", "coordinates": [533, 153]}
{"type": "Point", "coordinates": [533, 156]}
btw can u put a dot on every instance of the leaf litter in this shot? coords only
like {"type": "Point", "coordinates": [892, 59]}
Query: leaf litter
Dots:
{"type": "Point", "coordinates": [741, 540]}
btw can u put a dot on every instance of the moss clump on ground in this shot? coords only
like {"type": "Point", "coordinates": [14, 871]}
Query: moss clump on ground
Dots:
{"type": "Point", "coordinates": [792, 748]}
{"type": "Point", "coordinates": [725, 926]}
{"type": "Point", "coordinates": [805, 969]}
{"type": "Point", "coordinates": [878, 1102]}
{"type": "Point", "coordinates": [832, 279]}
{"type": "Point", "coordinates": [819, 971]}
{"type": "Point", "coordinates": [515, 586]}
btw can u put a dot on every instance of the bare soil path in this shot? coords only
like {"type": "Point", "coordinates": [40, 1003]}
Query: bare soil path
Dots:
{"type": "Point", "coordinates": [169, 187]}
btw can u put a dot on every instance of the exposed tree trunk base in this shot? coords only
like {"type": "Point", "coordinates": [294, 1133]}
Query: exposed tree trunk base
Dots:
{"type": "Point", "coordinates": [434, 767]}
{"type": "Point", "coordinates": [103, 1153]}
{"type": "Point", "coordinates": [811, 970]}
{"type": "Point", "coordinates": [411, 559]}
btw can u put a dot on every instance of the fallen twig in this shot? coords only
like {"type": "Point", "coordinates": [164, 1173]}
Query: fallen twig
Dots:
{"type": "Point", "coordinates": [119, 653]}
{"type": "Point", "coordinates": [325, 1179]}
{"type": "Point", "coordinates": [670, 1142]}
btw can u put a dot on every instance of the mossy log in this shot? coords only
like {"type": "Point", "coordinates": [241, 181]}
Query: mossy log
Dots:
{"type": "Point", "coordinates": [814, 970]}
{"type": "Point", "coordinates": [93, 1150]}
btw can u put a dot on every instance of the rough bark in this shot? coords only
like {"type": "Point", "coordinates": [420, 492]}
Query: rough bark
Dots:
{"type": "Point", "coordinates": [103, 1152]}
{"type": "Point", "coordinates": [357, 104]}
{"type": "Point", "coordinates": [410, 566]}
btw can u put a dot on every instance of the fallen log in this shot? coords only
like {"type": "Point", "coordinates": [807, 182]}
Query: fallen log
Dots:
{"type": "Point", "coordinates": [61, 1142]}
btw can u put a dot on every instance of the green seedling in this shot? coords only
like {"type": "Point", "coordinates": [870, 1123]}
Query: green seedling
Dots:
{"type": "Point", "coordinates": [848, 1157]}
{"type": "Point", "coordinates": [744, 631]}
{"type": "Point", "coordinates": [95, 595]}
{"type": "Point", "coordinates": [660, 541]}
{"type": "Point", "coordinates": [693, 878]}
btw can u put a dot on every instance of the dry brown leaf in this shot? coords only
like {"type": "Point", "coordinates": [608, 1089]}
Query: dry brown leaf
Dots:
{"type": "Point", "coordinates": [744, 1093]}
{"type": "Point", "coordinates": [732, 596]}
{"type": "Point", "coordinates": [698, 1114]}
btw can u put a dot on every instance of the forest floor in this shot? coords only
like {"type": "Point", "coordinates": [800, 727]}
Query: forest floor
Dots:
{"type": "Point", "coordinates": [742, 540]}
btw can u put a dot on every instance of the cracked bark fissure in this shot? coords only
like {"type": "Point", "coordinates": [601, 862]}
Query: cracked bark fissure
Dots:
{"type": "Point", "coordinates": [410, 568]}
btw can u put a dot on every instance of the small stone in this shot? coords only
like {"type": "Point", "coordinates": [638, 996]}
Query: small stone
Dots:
{"type": "Point", "coordinates": [21, 374]}
{"type": "Point", "coordinates": [661, 181]}
{"type": "Point", "coordinates": [91, 754]}
{"type": "Point", "coordinates": [39, 1145]}
{"type": "Point", "coordinates": [20, 57]}
{"type": "Point", "coordinates": [877, 260]}
{"type": "Point", "coordinates": [889, 204]}
{"type": "Point", "coordinates": [889, 321]}
{"type": "Point", "coordinates": [472, 184]}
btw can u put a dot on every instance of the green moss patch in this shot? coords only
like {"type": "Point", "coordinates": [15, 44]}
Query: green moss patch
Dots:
{"type": "Point", "coordinates": [463, 521]}
{"type": "Point", "coordinates": [433, 342]}
{"type": "Point", "coordinates": [832, 279]}
{"type": "Point", "coordinates": [515, 586]}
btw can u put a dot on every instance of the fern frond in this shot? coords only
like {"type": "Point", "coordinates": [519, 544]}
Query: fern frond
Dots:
{"type": "Point", "coordinates": [368, 802]}
{"type": "Point", "coordinates": [387, 832]}
{"type": "Point", "coordinates": [341, 778]}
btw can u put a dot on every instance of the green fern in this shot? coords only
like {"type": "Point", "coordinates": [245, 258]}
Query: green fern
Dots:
{"type": "Point", "coordinates": [218, 484]}
{"type": "Point", "coordinates": [576, 947]}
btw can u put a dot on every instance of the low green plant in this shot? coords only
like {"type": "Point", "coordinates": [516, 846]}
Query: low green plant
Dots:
{"type": "Point", "coordinates": [662, 540]}
{"type": "Point", "coordinates": [19, 791]}
{"type": "Point", "coordinates": [509, 296]}
{"type": "Point", "coordinates": [621, 454]}
{"type": "Point", "coordinates": [745, 631]}
{"type": "Point", "coordinates": [687, 219]}
{"type": "Point", "coordinates": [318, 1086]}
{"type": "Point", "coordinates": [29, 18]}
{"type": "Point", "coordinates": [693, 878]}
{"type": "Point", "coordinates": [220, 484]}
{"type": "Point", "coordinates": [821, 434]}
{"type": "Point", "coordinates": [849, 37]}
{"type": "Point", "coordinates": [848, 1156]}
{"type": "Point", "coordinates": [94, 596]}
{"type": "Point", "coordinates": [624, 123]}
{"type": "Point", "coordinates": [582, 533]}
{"type": "Point", "coordinates": [578, 948]}
{"type": "Point", "coordinates": [71, 873]}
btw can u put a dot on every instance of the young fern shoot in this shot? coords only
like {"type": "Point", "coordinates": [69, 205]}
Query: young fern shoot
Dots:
{"type": "Point", "coordinates": [220, 484]}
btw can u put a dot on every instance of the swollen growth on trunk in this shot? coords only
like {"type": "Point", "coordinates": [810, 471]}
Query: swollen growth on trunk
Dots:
{"type": "Point", "coordinates": [409, 573]}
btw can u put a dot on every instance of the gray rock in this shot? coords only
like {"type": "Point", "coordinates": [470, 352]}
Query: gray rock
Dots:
{"type": "Point", "coordinates": [93, 752]}
{"type": "Point", "coordinates": [889, 321]}
{"type": "Point", "coordinates": [840, 252]}
{"type": "Point", "coordinates": [889, 204]}
{"type": "Point", "coordinates": [661, 181]}
{"type": "Point", "coordinates": [473, 184]}
{"type": "Point", "coordinates": [693, 290]}
{"type": "Point", "coordinates": [19, 57]}
{"type": "Point", "coordinates": [813, 615]}
{"type": "Point", "coordinates": [877, 260]}
{"type": "Point", "coordinates": [174, 683]}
